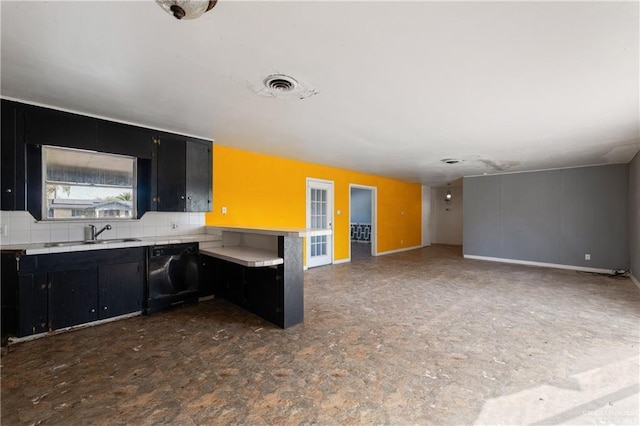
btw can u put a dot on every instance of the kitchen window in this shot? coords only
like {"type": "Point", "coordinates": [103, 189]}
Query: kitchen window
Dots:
{"type": "Point", "coordinates": [80, 184]}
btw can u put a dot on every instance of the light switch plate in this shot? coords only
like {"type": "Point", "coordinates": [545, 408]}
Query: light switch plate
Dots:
{"type": "Point", "coordinates": [3, 230]}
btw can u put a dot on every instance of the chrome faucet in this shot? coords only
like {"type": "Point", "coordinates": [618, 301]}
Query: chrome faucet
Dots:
{"type": "Point", "coordinates": [93, 235]}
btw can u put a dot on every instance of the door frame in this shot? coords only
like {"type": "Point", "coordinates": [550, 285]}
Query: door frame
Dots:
{"type": "Point", "coordinates": [374, 217]}
{"type": "Point", "coordinates": [331, 194]}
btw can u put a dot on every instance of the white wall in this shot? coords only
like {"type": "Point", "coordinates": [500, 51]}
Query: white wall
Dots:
{"type": "Point", "coordinates": [426, 216]}
{"type": "Point", "coordinates": [22, 228]}
{"type": "Point", "coordinates": [634, 216]}
{"type": "Point", "coordinates": [446, 225]}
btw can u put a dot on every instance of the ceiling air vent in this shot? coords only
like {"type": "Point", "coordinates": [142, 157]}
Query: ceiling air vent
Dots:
{"type": "Point", "coordinates": [280, 83]}
{"type": "Point", "coordinates": [450, 160]}
{"type": "Point", "coordinates": [282, 87]}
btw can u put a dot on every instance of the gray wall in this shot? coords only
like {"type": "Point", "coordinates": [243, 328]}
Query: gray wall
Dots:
{"type": "Point", "coordinates": [554, 216]}
{"type": "Point", "coordinates": [426, 215]}
{"type": "Point", "coordinates": [634, 215]}
{"type": "Point", "coordinates": [361, 205]}
{"type": "Point", "coordinates": [446, 225]}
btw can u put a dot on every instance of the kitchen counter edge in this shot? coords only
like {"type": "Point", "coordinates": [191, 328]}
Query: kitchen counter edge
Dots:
{"type": "Point", "coordinates": [39, 248]}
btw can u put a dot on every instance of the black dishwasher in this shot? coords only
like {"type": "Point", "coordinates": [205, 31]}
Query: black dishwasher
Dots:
{"type": "Point", "coordinates": [173, 276]}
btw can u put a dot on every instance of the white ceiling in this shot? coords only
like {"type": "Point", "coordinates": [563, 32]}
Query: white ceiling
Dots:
{"type": "Point", "coordinates": [504, 86]}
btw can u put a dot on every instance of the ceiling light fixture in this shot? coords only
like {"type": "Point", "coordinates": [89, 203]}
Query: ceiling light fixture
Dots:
{"type": "Point", "coordinates": [447, 199]}
{"type": "Point", "coordinates": [187, 9]}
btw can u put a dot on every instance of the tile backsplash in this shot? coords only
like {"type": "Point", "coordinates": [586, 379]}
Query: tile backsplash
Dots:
{"type": "Point", "coordinates": [22, 228]}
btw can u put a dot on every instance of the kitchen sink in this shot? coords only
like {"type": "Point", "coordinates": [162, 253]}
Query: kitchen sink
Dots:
{"type": "Point", "coordinates": [81, 243]}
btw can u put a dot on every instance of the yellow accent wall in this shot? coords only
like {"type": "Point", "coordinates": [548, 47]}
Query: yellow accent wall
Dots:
{"type": "Point", "coordinates": [266, 191]}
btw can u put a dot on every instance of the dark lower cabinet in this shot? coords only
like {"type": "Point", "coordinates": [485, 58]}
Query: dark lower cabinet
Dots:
{"type": "Point", "coordinates": [208, 272]}
{"type": "Point", "coordinates": [73, 297]}
{"type": "Point", "coordinates": [33, 293]}
{"type": "Point", "coordinates": [119, 289]}
{"type": "Point", "coordinates": [263, 292]}
{"type": "Point", "coordinates": [259, 290]}
{"type": "Point", "coordinates": [231, 282]}
{"type": "Point", "coordinates": [276, 293]}
{"type": "Point", "coordinates": [48, 292]}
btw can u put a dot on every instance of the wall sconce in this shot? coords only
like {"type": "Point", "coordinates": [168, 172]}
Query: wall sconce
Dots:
{"type": "Point", "coordinates": [447, 199]}
{"type": "Point", "coordinates": [186, 9]}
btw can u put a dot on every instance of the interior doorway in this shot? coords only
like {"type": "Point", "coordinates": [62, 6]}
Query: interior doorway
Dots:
{"type": "Point", "coordinates": [362, 221]}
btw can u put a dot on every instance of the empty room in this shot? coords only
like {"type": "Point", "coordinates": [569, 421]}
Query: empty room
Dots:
{"type": "Point", "coordinates": [320, 212]}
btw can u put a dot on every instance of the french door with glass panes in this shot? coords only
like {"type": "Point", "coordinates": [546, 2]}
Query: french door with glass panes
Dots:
{"type": "Point", "coordinates": [320, 217]}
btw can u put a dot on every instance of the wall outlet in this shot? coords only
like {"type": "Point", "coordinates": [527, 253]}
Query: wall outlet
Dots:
{"type": "Point", "coordinates": [224, 210]}
{"type": "Point", "coordinates": [587, 256]}
{"type": "Point", "coordinates": [3, 230]}
{"type": "Point", "coordinates": [401, 242]}
{"type": "Point", "coordinates": [174, 225]}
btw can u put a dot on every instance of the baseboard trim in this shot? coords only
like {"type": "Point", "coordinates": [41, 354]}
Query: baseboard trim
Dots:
{"type": "Point", "coordinates": [635, 281]}
{"type": "Point", "coordinates": [337, 262]}
{"type": "Point", "coordinates": [13, 340]}
{"type": "Point", "coordinates": [382, 253]}
{"type": "Point", "coordinates": [542, 264]}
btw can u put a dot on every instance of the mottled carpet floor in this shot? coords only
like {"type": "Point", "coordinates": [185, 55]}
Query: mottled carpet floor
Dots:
{"type": "Point", "coordinates": [420, 337]}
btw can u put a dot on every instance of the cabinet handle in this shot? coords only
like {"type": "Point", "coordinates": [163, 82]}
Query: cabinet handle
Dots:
{"type": "Point", "coordinates": [182, 197]}
{"type": "Point", "coordinates": [105, 308]}
{"type": "Point", "coordinates": [188, 198]}
{"type": "Point", "coordinates": [93, 310]}
{"type": "Point", "coordinates": [8, 190]}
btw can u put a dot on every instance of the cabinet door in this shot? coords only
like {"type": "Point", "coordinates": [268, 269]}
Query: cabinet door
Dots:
{"type": "Point", "coordinates": [124, 139]}
{"type": "Point", "coordinates": [263, 293]}
{"type": "Point", "coordinates": [120, 289]}
{"type": "Point", "coordinates": [33, 304]}
{"type": "Point", "coordinates": [198, 178]}
{"type": "Point", "coordinates": [8, 158]}
{"type": "Point", "coordinates": [50, 127]}
{"type": "Point", "coordinates": [208, 270]}
{"type": "Point", "coordinates": [171, 175]}
{"type": "Point", "coordinates": [73, 297]}
{"type": "Point", "coordinates": [232, 282]}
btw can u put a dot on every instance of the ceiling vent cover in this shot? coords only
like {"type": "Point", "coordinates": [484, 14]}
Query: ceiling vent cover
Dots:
{"type": "Point", "coordinates": [280, 83]}
{"type": "Point", "coordinates": [451, 160]}
{"type": "Point", "coordinates": [282, 86]}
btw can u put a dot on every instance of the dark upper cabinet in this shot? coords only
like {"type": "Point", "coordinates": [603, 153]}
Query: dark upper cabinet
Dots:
{"type": "Point", "coordinates": [45, 126]}
{"type": "Point", "coordinates": [183, 175]}
{"type": "Point", "coordinates": [118, 138]}
{"type": "Point", "coordinates": [198, 176]}
{"type": "Point", "coordinates": [12, 186]}
{"type": "Point", "coordinates": [173, 169]}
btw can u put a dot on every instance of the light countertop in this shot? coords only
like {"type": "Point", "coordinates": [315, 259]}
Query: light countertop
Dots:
{"type": "Point", "coordinates": [41, 248]}
{"type": "Point", "coordinates": [284, 232]}
{"type": "Point", "coordinates": [246, 256]}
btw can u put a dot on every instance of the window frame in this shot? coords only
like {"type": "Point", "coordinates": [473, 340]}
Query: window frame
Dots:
{"type": "Point", "coordinates": [44, 183]}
